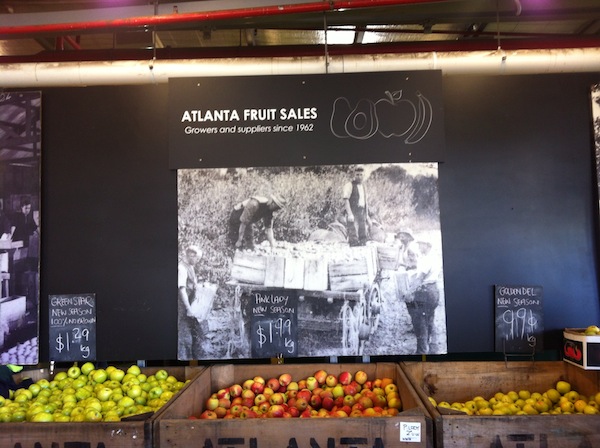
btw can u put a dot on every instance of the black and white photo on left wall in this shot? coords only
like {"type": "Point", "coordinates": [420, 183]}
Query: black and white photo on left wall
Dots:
{"type": "Point", "coordinates": [350, 256]}
{"type": "Point", "coordinates": [20, 151]}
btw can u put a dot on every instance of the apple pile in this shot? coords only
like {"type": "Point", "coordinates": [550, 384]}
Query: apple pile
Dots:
{"type": "Point", "coordinates": [90, 394]}
{"type": "Point", "coordinates": [319, 395]}
{"type": "Point", "coordinates": [592, 330]}
{"type": "Point", "coordinates": [561, 399]}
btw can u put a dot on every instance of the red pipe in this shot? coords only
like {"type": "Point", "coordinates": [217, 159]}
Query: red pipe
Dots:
{"type": "Point", "coordinates": [171, 19]}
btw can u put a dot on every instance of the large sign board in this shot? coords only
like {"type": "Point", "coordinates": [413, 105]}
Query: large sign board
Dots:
{"type": "Point", "coordinates": [297, 185]}
{"type": "Point", "coordinates": [312, 119]}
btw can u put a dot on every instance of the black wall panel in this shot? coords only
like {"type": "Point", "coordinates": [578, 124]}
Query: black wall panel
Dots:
{"type": "Point", "coordinates": [517, 195]}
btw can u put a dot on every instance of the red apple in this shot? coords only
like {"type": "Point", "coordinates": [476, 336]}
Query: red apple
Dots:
{"type": "Point", "coordinates": [257, 387]}
{"type": "Point", "coordinates": [264, 407]}
{"type": "Point", "coordinates": [339, 413]}
{"type": "Point", "coordinates": [390, 388]}
{"type": "Point", "coordinates": [212, 403]}
{"type": "Point", "coordinates": [338, 391]}
{"type": "Point", "coordinates": [301, 404]}
{"type": "Point", "coordinates": [317, 391]}
{"type": "Point", "coordinates": [327, 403]}
{"type": "Point", "coordinates": [235, 390]}
{"type": "Point", "coordinates": [379, 401]}
{"type": "Point", "coordinates": [351, 389]}
{"type": "Point", "coordinates": [395, 402]}
{"type": "Point", "coordinates": [275, 411]}
{"type": "Point", "coordinates": [285, 379]}
{"type": "Point", "coordinates": [277, 398]}
{"type": "Point", "coordinates": [248, 402]}
{"type": "Point", "coordinates": [208, 415]}
{"type": "Point", "coordinates": [320, 376]}
{"type": "Point", "coordinates": [247, 393]}
{"type": "Point", "coordinates": [361, 377]}
{"type": "Point", "coordinates": [356, 413]}
{"type": "Point", "coordinates": [306, 414]}
{"type": "Point", "coordinates": [294, 412]}
{"type": "Point", "coordinates": [273, 383]}
{"type": "Point", "coordinates": [368, 385]}
{"type": "Point", "coordinates": [311, 383]}
{"type": "Point", "coordinates": [304, 393]}
{"type": "Point", "coordinates": [345, 378]}
{"type": "Point", "coordinates": [260, 398]}
{"type": "Point", "coordinates": [331, 380]}
{"type": "Point", "coordinates": [220, 411]}
{"type": "Point", "coordinates": [365, 402]}
{"type": "Point", "coordinates": [225, 403]}
{"type": "Point", "coordinates": [349, 400]}
{"type": "Point", "coordinates": [224, 393]}
{"type": "Point", "coordinates": [267, 391]}
{"type": "Point", "coordinates": [315, 401]}
{"type": "Point", "coordinates": [237, 400]}
{"type": "Point", "coordinates": [301, 384]}
{"type": "Point", "coordinates": [248, 413]}
{"type": "Point", "coordinates": [291, 393]}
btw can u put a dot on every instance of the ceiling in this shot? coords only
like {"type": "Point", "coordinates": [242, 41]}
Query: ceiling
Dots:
{"type": "Point", "coordinates": [92, 30]}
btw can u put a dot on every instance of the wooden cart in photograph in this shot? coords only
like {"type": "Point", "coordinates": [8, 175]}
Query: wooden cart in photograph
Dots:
{"type": "Point", "coordinates": [339, 298]}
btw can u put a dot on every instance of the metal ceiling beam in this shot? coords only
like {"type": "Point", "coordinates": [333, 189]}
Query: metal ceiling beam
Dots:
{"type": "Point", "coordinates": [176, 18]}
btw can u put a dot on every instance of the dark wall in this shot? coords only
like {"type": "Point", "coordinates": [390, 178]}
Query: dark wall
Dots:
{"type": "Point", "coordinates": [517, 195]}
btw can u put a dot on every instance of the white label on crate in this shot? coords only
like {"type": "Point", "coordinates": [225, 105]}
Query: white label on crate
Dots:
{"type": "Point", "coordinates": [410, 431]}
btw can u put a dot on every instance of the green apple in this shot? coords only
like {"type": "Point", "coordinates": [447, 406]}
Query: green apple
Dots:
{"type": "Point", "coordinates": [87, 367]}
{"type": "Point", "coordinates": [74, 372]}
{"type": "Point", "coordinates": [134, 370]}
{"type": "Point", "coordinates": [116, 375]}
{"type": "Point", "coordinates": [99, 376]}
{"type": "Point", "coordinates": [161, 375]}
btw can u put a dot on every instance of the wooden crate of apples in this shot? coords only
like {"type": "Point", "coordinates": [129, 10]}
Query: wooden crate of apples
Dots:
{"type": "Point", "coordinates": [112, 406]}
{"type": "Point", "coordinates": [297, 405]}
{"type": "Point", "coordinates": [486, 404]}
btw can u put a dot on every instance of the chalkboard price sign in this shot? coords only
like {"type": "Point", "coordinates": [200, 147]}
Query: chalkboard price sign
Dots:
{"type": "Point", "coordinates": [519, 318]}
{"type": "Point", "coordinates": [274, 323]}
{"type": "Point", "coordinates": [72, 327]}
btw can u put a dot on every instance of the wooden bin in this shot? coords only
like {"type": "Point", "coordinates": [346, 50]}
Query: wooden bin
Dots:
{"type": "Point", "coordinates": [174, 429]}
{"type": "Point", "coordinates": [124, 434]}
{"type": "Point", "coordinates": [462, 381]}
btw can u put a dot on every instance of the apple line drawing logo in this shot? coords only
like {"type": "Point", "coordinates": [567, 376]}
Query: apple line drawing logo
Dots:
{"type": "Point", "coordinates": [390, 116]}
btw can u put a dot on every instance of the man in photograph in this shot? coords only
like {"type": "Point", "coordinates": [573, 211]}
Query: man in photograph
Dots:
{"type": "Point", "coordinates": [356, 208]}
{"type": "Point", "coordinates": [190, 332]}
{"type": "Point", "coordinates": [250, 212]}
{"type": "Point", "coordinates": [424, 296]}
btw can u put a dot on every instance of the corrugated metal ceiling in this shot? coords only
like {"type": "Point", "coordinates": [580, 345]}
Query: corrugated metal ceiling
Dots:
{"type": "Point", "coordinates": [32, 30]}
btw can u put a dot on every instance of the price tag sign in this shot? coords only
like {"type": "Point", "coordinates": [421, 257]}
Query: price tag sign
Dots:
{"type": "Point", "coordinates": [519, 314]}
{"type": "Point", "coordinates": [72, 324]}
{"type": "Point", "coordinates": [273, 323]}
{"type": "Point", "coordinates": [410, 432]}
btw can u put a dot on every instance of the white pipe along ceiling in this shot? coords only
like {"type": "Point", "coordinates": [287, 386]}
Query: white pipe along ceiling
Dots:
{"type": "Point", "coordinates": [500, 62]}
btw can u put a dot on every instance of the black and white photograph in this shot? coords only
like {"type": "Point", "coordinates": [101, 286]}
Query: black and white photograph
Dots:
{"type": "Point", "coordinates": [305, 261]}
{"type": "Point", "coordinates": [20, 150]}
{"type": "Point", "coordinates": [595, 96]}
